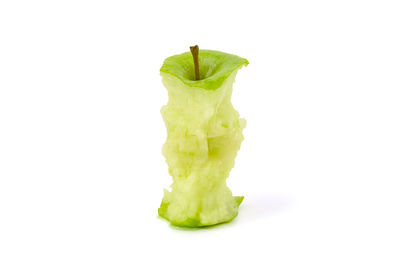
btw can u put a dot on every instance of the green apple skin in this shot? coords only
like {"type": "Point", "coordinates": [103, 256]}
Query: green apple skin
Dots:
{"type": "Point", "coordinates": [204, 134]}
{"type": "Point", "coordinates": [215, 68]}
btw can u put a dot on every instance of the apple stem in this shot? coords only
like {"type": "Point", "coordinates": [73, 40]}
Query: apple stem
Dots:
{"type": "Point", "coordinates": [195, 54]}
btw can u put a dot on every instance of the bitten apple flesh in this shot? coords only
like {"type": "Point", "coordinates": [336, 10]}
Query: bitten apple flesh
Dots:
{"type": "Point", "coordinates": [204, 136]}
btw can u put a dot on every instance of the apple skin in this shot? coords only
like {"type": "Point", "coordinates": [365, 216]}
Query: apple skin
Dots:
{"type": "Point", "coordinates": [215, 68]}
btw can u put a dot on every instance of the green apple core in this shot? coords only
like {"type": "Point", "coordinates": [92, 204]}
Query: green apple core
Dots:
{"type": "Point", "coordinates": [204, 134]}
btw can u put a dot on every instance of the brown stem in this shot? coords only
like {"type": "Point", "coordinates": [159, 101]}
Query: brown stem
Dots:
{"type": "Point", "coordinates": [195, 54]}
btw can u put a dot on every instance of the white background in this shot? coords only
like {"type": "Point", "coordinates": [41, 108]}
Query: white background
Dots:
{"type": "Point", "coordinates": [81, 170]}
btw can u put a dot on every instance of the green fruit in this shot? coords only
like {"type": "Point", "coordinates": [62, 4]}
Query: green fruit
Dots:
{"type": "Point", "coordinates": [204, 135]}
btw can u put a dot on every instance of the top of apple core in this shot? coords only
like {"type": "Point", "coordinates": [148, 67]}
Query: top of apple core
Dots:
{"type": "Point", "coordinates": [215, 68]}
